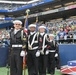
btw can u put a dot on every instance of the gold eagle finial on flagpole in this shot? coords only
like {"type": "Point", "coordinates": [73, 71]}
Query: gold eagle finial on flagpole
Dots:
{"type": "Point", "coordinates": [36, 19]}
{"type": "Point", "coordinates": [27, 11]}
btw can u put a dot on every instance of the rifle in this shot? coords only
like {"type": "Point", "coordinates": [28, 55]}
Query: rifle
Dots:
{"type": "Point", "coordinates": [25, 26]}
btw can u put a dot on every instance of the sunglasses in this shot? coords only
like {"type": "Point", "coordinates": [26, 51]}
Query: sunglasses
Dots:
{"type": "Point", "coordinates": [17, 24]}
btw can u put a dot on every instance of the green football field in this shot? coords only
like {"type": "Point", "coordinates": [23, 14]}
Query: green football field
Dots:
{"type": "Point", "coordinates": [4, 71]}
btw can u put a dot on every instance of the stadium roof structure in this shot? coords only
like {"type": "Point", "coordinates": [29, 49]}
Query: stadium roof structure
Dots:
{"type": "Point", "coordinates": [39, 10]}
{"type": "Point", "coordinates": [15, 0]}
{"type": "Point", "coordinates": [18, 1]}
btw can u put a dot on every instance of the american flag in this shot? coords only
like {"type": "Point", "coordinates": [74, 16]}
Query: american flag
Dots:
{"type": "Point", "coordinates": [26, 25]}
{"type": "Point", "coordinates": [36, 24]}
{"type": "Point", "coordinates": [68, 70]}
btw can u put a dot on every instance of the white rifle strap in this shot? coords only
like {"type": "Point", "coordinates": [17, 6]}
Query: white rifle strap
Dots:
{"type": "Point", "coordinates": [22, 35]}
{"type": "Point", "coordinates": [37, 35]}
{"type": "Point", "coordinates": [54, 43]}
{"type": "Point", "coordinates": [32, 40]}
{"type": "Point", "coordinates": [28, 39]}
{"type": "Point", "coordinates": [44, 42]}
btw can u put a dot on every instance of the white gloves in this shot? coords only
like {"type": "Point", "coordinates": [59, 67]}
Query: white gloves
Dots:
{"type": "Point", "coordinates": [37, 53]}
{"type": "Point", "coordinates": [47, 52]}
{"type": "Point", "coordinates": [56, 55]}
{"type": "Point", "coordinates": [22, 54]}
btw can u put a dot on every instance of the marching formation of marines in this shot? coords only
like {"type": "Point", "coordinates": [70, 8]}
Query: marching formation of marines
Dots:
{"type": "Point", "coordinates": [39, 48]}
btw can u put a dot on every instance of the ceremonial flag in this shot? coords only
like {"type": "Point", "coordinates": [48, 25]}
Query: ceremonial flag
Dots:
{"type": "Point", "coordinates": [26, 31]}
{"type": "Point", "coordinates": [36, 24]}
{"type": "Point", "coordinates": [26, 24]}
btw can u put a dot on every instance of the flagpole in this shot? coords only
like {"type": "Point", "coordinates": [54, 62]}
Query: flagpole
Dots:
{"type": "Point", "coordinates": [27, 14]}
{"type": "Point", "coordinates": [36, 19]}
{"type": "Point", "coordinates": [36, 23]}
{"type": "Point", "coordinates": [25, 26]}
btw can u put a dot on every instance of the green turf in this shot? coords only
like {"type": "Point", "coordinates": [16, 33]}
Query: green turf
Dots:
{"type": "Point", "coordinates": [3, 71]}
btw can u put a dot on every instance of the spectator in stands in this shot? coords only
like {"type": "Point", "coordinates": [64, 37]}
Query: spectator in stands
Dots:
{"type": "Point", "coordinates": [8, 39]}
{"type": "Point", "coordinates": [70, 38]}
{"type": "Point", "coordinates": [47, 30]}
{"type": "Point", "coordinates": [0, 38]}
{"type": "Point", "coordinates": [61, 34]}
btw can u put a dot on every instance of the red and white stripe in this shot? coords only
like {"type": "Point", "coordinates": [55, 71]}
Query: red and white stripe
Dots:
{"type": "Point", "coordinates": [68, 70]}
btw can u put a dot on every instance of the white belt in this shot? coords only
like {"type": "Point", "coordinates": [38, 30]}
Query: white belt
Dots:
{"type": "Point", "coordinates": [35, 41]}
{"type": "Point", "coordinates": [16, 45]}
{"type": "Point", "coordinates": [34, 48]}
{"type": "Point", "coordinates": [52, 51]}
{"type": "Point", "coordinates": [44, 46]}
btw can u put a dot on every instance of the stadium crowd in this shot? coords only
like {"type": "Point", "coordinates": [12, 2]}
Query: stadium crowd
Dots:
{"type": "Point", "coordinates": [4, 38]}
{"type": "Point", "coordinates": [61, 29]}
{"type": "Point", "coordinates": [10, 6]}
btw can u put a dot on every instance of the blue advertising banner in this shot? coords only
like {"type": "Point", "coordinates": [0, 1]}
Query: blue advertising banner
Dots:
{"type": "Point", "coordinates": [67, 53]}
{"type": "Point", "coordinates": [3, 56]}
